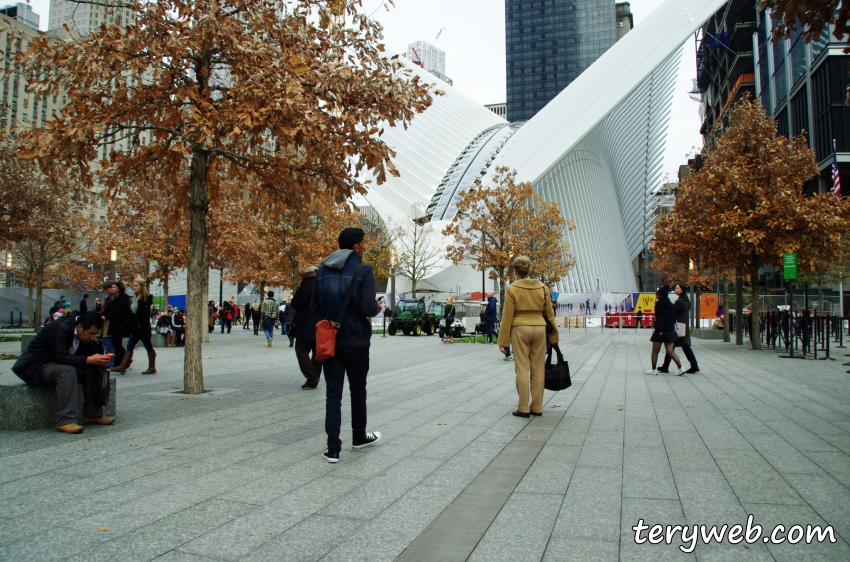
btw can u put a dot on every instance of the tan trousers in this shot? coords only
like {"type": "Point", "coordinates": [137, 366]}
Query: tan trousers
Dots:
{"type": "Point", "coordinates": [528, 345]}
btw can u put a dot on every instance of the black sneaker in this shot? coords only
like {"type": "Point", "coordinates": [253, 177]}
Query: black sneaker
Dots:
{"type": "Point", "coordinates": [693, 370]}
{"type": "Point", "coordinates": [663, 370]}
{"type": "Point", "coordinates": [371, 438]}
{"type": "Point", "coordinates": [331, 457]}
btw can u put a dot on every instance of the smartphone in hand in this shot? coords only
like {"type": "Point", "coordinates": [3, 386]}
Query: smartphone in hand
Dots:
{"type": "Point", "coordinates": [109, 355]}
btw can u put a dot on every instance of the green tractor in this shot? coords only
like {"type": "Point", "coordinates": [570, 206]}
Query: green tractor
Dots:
{"type": "Point", "coordinates": [410, 317]}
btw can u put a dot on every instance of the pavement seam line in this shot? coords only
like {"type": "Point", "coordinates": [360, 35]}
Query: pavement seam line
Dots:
{"type": "Point", "coordinates": [442, 536]}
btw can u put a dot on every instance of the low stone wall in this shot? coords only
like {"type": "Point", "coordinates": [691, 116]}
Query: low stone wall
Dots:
{"type": "Point", "coordinates": [24, 407]}
{"type": "Point", "coordinates": [708, 334]}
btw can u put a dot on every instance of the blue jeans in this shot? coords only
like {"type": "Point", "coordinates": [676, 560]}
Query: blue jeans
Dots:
{"type": "Point", "coordinates": [268, 327]}
{"type": "Point", "coordinates": [354, 362]}
{"type": "Point", "coordinates": [284, 326]}
{"type": "Point", "coordinates": [491, 327]}
{"type": "Point", "coordinates": [109, 348]}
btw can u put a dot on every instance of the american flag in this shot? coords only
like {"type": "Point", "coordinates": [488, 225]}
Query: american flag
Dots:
{"type": "Point", "coordinates": [836, 178]}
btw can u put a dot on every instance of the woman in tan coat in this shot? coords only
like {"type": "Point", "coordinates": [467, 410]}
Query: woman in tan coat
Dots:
{"type": "Point", "coordinates": [524, 328]}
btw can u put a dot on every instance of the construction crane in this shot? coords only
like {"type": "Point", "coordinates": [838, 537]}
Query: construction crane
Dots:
{"type": "Point", "coordinates": [417, 60]}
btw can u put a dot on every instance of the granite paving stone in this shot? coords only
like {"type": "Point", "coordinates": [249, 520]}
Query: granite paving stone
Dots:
{"type": "Point", "coordinates": [237, 474]}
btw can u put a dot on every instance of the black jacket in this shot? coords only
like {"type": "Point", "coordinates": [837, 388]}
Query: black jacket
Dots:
{"type": "Point", "coordinates": [142, 326]}
{"type": "Point", "coordinates": [665, 315]}
{"type": "Point", "coordinates": [682, 309]}
{"type": "Point", "coordinates": [120, 316]}
{"type": "Point", "coordinates": [84, 306]}
{"type": "Point", "coordinates": [305, 319]}
{"type": "Point", "coordinates": [52, 345]}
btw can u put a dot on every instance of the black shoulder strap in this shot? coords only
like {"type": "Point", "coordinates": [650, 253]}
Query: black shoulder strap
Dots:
{"type": "Point", "coordinates": [348, 295]}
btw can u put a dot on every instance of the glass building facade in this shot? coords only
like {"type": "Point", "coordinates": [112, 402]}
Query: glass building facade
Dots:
{"type": "Point", "coordinates": [549, 43]}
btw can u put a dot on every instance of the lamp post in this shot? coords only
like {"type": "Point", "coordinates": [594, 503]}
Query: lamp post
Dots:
{"type": "Point", "coordinates": [693, 304]}
{"type": "Point", "coordinates": [392, 279]}
{"type": "Point", "coordinates": [113, 264]}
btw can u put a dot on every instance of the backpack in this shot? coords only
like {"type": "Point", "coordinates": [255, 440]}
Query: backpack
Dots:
{"type": "Point", "coordinates": [326, 330]}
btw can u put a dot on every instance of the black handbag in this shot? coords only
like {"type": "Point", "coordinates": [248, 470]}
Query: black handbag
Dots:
{"type": "Point", "coordinates": [557, 375]}
{"type": "Point", "coordinates": [100, 381]}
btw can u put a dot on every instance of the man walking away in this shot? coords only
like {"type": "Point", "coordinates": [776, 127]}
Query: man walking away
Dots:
{"type": "Point", "coordinates": [247, 315]}
{"type": "Point", "coordinates": [351, 354]}
{"type": "Point", "coordinates": [269, 310]}
{"type": "Point", "coordinates": [304, 329]}
{"type": "Point", "coordinates": [288, 319]}
{"type": "Point", "coordinates": [490, 318]}
{"type": "Point", "coordinates": [59, 357]}
{"type": "Point", "coordinates": [84, 304]}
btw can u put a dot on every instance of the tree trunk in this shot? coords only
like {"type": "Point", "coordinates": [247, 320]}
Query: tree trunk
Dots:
{"type": "Point", "coordinates": [726, 337]}
{"type": "Point", "coordinates": [30, 323]}
{"type": "Point", "coordinates": [39, 284]}
{"type": "Point", "coordinates": [739, 312]}
{"type": "Point", "coordinates": [820, 307]}
{"type": "Point", "coordinates": [165, 293]}
{"type": "Point", "coordinates": [196, 318]}
{"type": "Point", "coordinates": [502, 289]}
{"type": "Point", "coordinates": [755, 327]}
{"type": "Point", "coordinates": [205, 338]}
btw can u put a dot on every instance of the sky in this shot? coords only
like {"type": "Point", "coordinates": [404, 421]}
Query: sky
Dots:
{"type": "Point", "coordinates": [474, 40]}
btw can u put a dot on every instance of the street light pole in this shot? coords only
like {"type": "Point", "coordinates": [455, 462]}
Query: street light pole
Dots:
{"type": "Point", "coordinates": [113, 264]}
{"type": "Point", "coordinates": [392, 280]}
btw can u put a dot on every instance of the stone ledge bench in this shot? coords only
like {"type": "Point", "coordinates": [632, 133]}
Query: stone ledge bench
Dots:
{"type": "Point", "coordinates": [158, 340]}
{"type": "Point", "coordinates": [707, 334]}
{"type": "Point", "coordinates": [24, 407]}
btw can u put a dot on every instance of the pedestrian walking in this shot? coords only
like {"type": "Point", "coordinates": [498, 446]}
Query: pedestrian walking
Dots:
{"type": "Point", "coordinates": [343, 269]}
{"type": "Point", "coordinates": [256, 317]}
{"type": "Point", "coordinates": [449, 315]}
{"type": "Point", "coordinates": [270, 311]}
{"type": "Point", "coordinates": [84, 304]}
{"type": "Point", "coordinates": [665, 330]}
{"type": "Point", "coordinates": [118, 317]}
{"type": "Point", "coordinates": [527, 320]}
{"type": "Point", "coordinates": [682, 309]}
{"type": "Point", "coordinates": [288, 319]}
{"type": "Point", "coordinates": [98, 306]}
{"type": "Point", "coordinates": [140, 329]}
{"type": "Point", "coordinates": [490, 317]}
{"type": "Point", "coordinates": [304, 329]}
{"type": "Point", "coordinates": [247, 315]}
{"type": "Point", "coordinates": [639, 319]}
{"type": "Point", "coordinates": [225, 315]}
{"type": "Point", "coordinates": [212, 314]}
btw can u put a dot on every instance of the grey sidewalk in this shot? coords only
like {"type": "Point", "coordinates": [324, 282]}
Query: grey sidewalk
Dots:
{"type": "Point", "coordinates": [237, 473]}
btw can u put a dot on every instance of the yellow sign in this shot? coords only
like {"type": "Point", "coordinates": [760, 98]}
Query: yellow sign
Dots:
{"type": "Point", "coordinates": [645, 302]}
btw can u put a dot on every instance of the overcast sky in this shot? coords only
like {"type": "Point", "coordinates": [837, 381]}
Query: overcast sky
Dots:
{"type": "Point", "coordinates": [474, 41]}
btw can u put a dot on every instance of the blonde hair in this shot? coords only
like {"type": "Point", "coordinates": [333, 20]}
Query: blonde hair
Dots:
{"type": "Point", "coordinates": [522, 265]}
{"type": "Point", "coordinates": [142, 295]}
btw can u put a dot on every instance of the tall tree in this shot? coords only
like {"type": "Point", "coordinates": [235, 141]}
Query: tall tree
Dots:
{"type": "Point", "coordinates": [419, 250]}
{"type": "Point", "coordinates": [496, 223]}
{"type": "Point", "coordinates": [745, 207]}
{"type": "Point", "coordinates": [276, 95]}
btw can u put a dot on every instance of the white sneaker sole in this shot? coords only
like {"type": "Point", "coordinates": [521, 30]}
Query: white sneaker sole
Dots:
{"type": "Point", "coordinates": [330, 460]}
{"type": "Point", "coordinates": [369, 444]}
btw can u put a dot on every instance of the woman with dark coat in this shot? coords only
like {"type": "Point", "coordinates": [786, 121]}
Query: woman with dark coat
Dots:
{"type": "Point", "coordinates": [117, 312]}
{"type": "Point", "coordinates": [665, 329]}
{"type": "Point", "coordinates": [140, 330]}
{"type": "Point", "coordinates": [682, 307]}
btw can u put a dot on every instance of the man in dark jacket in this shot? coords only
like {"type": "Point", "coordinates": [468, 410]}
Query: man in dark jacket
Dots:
{"type": "Point", "coordinates": [84, 304]}
{"type": "Point", "coordinates": [304, 329]}
{"type": "Point", "coordinates": [117, 312]}
{"type": "Point", "coordinates": [59, 357]}
{"type": "Point", "coordinates": [490, 318]}
{"type": "Point", "coordinates": [351, 354]}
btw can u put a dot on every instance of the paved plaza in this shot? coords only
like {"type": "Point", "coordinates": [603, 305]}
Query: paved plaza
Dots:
{"type": "Point", "coordinates": [237, 474]}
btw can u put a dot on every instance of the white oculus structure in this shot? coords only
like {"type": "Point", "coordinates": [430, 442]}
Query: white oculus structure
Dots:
{"type": "Point", "coordinates": [596, 149]}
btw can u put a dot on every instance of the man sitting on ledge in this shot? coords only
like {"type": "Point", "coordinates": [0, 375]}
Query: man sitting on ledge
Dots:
{"type": "Point", "coordinates": [59, 356]}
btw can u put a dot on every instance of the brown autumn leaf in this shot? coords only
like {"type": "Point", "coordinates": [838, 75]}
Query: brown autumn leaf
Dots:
{"type": "Point", "coordinates": [102, 529]}
{"type": "Point", "coordinates": [86, 438]}
{"type": "Point", "coordinates": [528, 436]}
{"type": "Point", "coordinates": [133, 445]}
{"type": "Point", "coordinates": [833, 440]}
{"type": "Point", "coordinates": [769, 478]}
{"type": "Point", "coordinates": [192, 471]}
{"type": "Point", "coordinates": [441, 423]}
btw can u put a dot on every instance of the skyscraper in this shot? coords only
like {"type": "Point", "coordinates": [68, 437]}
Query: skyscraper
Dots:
{"type": "Point", "coordinates": [550, 42]}
{"type": "Point", "coordinates": [430, 58]}
{"type": "Point", "coordinates": [85, 18]}
{"type": "Point", "coordinates": [21, 12]}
